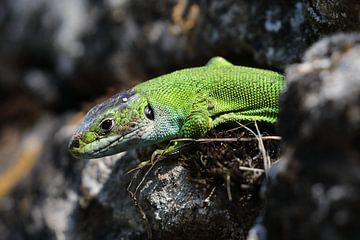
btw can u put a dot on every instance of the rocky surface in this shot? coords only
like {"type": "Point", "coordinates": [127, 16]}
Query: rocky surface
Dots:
{"type": "Point", "coordinates": [327, 17]}
{"type": "Point", "coordinates": [173, 199]}
{"type": "Point", "coordinates": [56, 56]}
{"type": "Point", "coordinates": [316, 193]}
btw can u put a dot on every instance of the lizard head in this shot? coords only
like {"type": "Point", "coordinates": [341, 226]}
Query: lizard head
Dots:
{"type": "Point", "coordinates": [119, 123]}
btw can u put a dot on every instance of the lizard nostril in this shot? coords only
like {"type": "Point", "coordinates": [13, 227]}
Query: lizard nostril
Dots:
{"type": "Point", "coordinates": [75, 143]}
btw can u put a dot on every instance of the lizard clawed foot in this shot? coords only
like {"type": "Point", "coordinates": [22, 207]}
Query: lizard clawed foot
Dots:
{"type": "Point", "coordinates": [156, 156]}
{"type": "Point", "coordinates": [159, 155]}
{"type": "Point", "coordinates": [140, 166]}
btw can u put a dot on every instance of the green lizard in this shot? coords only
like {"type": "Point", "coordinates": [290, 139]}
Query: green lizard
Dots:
{"type": "Point", "coordinates": [185, 103]}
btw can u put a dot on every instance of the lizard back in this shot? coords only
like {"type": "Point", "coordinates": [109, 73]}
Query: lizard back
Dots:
{"type": "Point", "coordinates": [250, 92]}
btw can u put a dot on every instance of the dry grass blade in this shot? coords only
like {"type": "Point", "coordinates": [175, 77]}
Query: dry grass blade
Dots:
{"type": "Point", "coordinates": [266, 158]}
{"type": "Point", "coordinates": [242, 139]}
{"type": "Point", "coordinates": [251, 169]}
{"type": "Point", "coordinates": [258, 137]}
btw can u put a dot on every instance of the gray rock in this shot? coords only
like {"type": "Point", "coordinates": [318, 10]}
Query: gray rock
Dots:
{"type": "Point", "coordinates": [316, 195]}
{"type": "Point", "coordinates": [175, 207]}
{"type": "Point", "coordinates": [106, 209]}
{"type": "Point", "coordinates": [161, 202]}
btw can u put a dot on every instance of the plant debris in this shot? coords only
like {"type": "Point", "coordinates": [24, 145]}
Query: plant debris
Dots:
{"type": "Point", "coordinates": [236, 157]}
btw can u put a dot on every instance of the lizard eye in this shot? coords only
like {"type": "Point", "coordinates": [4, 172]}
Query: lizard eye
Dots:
{"type": "Point", "coordinates": [149, 113]}
{"type": "Point", "coordinates": [107, 124]}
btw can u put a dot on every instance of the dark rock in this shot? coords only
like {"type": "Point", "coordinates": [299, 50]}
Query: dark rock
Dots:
{"type": "Point", "coordinates": [169, 200]}
{"type": "Point", "coordinates": [316, 193]}
{"type": "Point", "coordinates": [175, 207]}
{"type": "Point", "coordinates": [272, 33]}
{"type": "Point", "coordinates": [106, 210]}
{"type": "Point", "coordinates": [166, 204]}
{"type": "Point", "coordinates": [333, 16]}
{"type": "Point", "coordinates": [83, 48]}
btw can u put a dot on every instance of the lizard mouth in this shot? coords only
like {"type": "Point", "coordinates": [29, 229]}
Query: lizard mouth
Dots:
{"type": "Point", "coordinates": [99, 148]}
{"type": "Point", "coordinates": [104, 144]}
{"type": "Point", "coordinates": [91, 150]}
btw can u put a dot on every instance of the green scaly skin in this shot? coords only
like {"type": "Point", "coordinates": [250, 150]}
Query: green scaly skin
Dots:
{"type": "Point", "coordinates": [185, 103]}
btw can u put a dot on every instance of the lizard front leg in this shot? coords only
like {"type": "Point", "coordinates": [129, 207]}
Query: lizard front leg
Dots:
{"type": "Point", "coordinates": [197, 124]}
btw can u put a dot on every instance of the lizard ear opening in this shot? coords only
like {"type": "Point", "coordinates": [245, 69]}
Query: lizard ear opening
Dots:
{"type": "Point", "coordinates": [149, 113]}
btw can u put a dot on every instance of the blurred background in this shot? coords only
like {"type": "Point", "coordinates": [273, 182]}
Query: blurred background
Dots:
{"type": "Point", "coordinates": [58, 57]}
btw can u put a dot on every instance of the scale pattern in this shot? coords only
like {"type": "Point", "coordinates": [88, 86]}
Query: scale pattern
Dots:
{"type": "Point", "coordinates": [231, 93]}
{"type": "Point", "coordinates": [185, 103]}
